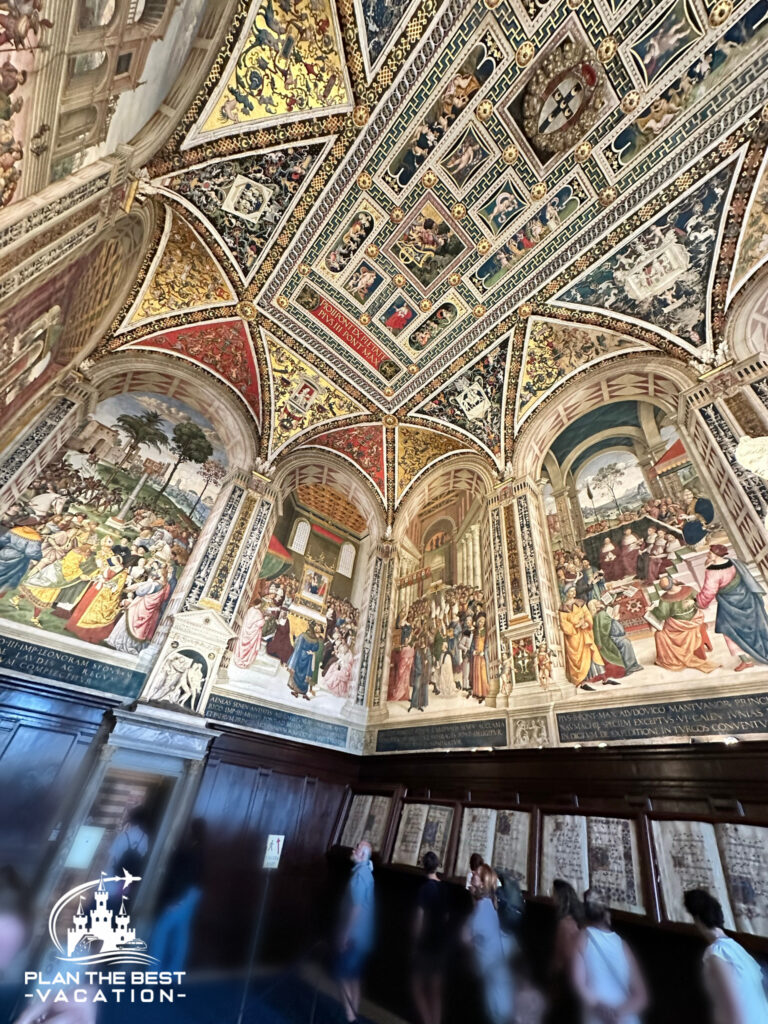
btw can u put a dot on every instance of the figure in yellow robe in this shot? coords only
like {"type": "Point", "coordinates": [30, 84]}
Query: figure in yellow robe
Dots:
{"type": "Point", "coordinates": [583, 660]}
{"type": "Point", "coordinates": [43, 586]}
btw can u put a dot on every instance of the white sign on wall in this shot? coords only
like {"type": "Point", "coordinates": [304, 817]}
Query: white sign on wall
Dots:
{"type": "Point", "coordinates": [273, 851]}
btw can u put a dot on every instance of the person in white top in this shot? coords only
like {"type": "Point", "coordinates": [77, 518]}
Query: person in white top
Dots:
{"type": "Point", "coordinates": [732, 977]}
{"type": "Point", "coordinates": [605, 974]}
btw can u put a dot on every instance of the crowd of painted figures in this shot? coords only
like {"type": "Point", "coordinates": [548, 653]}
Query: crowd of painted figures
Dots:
{"type": "Point", "coordinates": [440, 646]}
{"type": "Point", "coordinates": [594, 601]}
{"type": "Point", "coordinates": [321, 656]}
{"type": "Point", "coordinates": [638, 557]}
{"type": "Point", "coordinates": [108, 584]}
{"type": "Point", "coordinates": [664, 510]}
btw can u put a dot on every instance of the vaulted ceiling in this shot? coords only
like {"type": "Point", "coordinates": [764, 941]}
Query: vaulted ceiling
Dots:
{"type": "Point", "coordinates": [416, 222]}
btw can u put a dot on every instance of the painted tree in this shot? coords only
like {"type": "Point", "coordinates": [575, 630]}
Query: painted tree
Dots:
{"type": "Point", "coordinates": [212, 472]}
{"type": "Point", "coordinates": [188, 444]}
{"type": "Point", "coordinates": [608, 478]}
{"type": "Point", "coordinates": [143, 429]}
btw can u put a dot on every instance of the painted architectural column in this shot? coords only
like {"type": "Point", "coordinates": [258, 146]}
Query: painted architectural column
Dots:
{"type": "Point", "coordinates": [377, 691]}
{"type": "Point", "coordinates": [25, 456]}
{"type": "Point", "coordinates": [223, 570]}
{"type": "Point", "coordinates": [563, 505]}
{"type": "Point", "coordinates": [652, 482]}
{"type": "Point", "coordinates": [534, 589]}
{"type": "Point", "coordinates": [477, 555]}
{"type": "Point", "coordinates": [379, 599]}
{"type": "Point", "coordinates": [574, 504]}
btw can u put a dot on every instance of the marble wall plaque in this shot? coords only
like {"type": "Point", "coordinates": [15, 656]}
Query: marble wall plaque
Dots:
{"type": "Point", "coordinates": [274, 720]}
{"type": "Point", "coordinates": [705, 717]}
{"type": "Point", "coordinates": [451, 735]}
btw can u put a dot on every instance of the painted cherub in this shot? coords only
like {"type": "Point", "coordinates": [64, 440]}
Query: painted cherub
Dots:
{"type": "Point", "coordinates": [544, 666]}
{"type": "Point", "coordinates": [507, 680]}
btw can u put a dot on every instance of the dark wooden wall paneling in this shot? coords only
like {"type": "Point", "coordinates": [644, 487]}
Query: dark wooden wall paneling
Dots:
{"type": "Point", "coordinates": [255, 785]}
{"type": "Point", "coordinates": [44, 743]}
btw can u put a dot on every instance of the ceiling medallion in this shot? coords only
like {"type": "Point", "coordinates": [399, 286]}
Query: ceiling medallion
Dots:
{"type": "Point", "coordinates": [720, 12]}
{"type": "Point", "coordinates": [413, 369]}
{"type": "Point", "coordinates": [364, 181]}
{"type": "Point", "coordinates": [425, 305]}
{"type": "Point", "coordinates": [360, 115]}
{"type": "Point", "coordinates": [525, 54]}
{"type": "Point", "coordinates": [283, 301]}
{"type": "Point", "coordinates": [524, 310]}
{"type": "Point", "coordinates": [304, 269]}
{"type": "Point", "coordinates": [396, 214]}
{"type": "Point", "coordinates": [389, 391]}
{"type": "Point", "coordinates": [372, 250]}
{"type": "Point", "coordinates": [510, 154]}
{"type": "Point", "coordinates": [246, 310]}
{"type": "Point", "coordinates": [564, 98]}
{"type": "Point", "coordinates": [365, 318]}
{"type": "Point", "coordinates": [607, 49]}
{"type": "Point", "coordinates": [608, 195]}
{"type": "Point", "coordinates": [631, 101]}
{"type": "Point", "coordinates": [459, 210]}
{"type": "Point", "coordinates": [389, 421]}
{"type": "Point", "coordinates": [429, 180]}
{"type": "Point", "coordinates": [484, 110]}
{"type": "Point", "coordinates": [454, 280]}
{"type": "Point", "coordinates": [583, 152]}
{"type": "Point", "coordinates": [399, 280]}
{"type": "Point", "coordinates": [539, 190]}
{"type": "Point", "coordinates": [483, 246]}
{"type": "Point", "coordinates": [492, 4]}
{"type": "Point", "coordinates": [573, 4]}
{"type": "Point", "coordinates": [478, 310]}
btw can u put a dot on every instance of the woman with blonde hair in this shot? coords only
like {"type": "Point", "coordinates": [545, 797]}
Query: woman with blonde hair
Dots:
{"type": "Point", "coordinates": [486, 940]}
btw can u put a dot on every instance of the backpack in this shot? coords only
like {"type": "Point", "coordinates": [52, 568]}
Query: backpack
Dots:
{"type": "Point", "coordinates": [509, 900]}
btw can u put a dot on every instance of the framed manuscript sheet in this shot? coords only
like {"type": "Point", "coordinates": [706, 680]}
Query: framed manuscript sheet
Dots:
{"type": "Point", "coordinates": [614, 863]}
{"type": "Point", "coordinates": [500, 837]}
{"type": "Point", "coordinates": [564, 852]}
{"type": "Point", "coordinates": [744, 857]}
{"type": "Point", "coordinates": [688, 858]}
{"type": "Point", "coordinates": [367, 819]}
{"type": "Point", "coordinates": [422, 827]}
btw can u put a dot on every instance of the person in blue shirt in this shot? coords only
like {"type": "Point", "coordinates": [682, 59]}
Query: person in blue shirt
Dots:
{"type": "Point", "coordinates": [356, 930]}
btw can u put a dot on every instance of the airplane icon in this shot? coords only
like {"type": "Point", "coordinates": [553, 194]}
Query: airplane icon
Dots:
{"type": "Point", "coordinates": [128, 878]}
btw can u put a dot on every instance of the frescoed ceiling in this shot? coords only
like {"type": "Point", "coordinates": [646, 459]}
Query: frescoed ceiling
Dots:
{"type": "Point", "coordinates": [432, 217]}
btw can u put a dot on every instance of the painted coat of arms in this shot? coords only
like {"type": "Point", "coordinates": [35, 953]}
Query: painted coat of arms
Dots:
{"type": "Point", "coordinates": [564, 98]}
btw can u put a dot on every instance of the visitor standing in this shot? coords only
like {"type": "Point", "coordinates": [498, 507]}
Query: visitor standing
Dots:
{"type": "Point", "coordinates": [356, 930]}
{"type": "Point", "coordinates": [430, 943]}
{"type": "Point", "coordinates": [605, 973]}
{"type": "Point", "coordinates": [733, 978]}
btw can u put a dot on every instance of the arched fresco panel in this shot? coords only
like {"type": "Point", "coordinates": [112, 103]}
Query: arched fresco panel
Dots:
{"type": "Point", "coordinates": [95, 546]}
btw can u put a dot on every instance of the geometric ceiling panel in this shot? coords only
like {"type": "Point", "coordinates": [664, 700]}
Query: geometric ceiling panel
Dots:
{"type": "Point", "coordinates": [362, 444]}
{"type": "Point", "coordinates": [288, 65]}
{"type": "Point", "coordinates": [663, 274]}
{"type": "Point", "coordinates": [555, 351]}
{"type": "Point", "coordinates": [472, 401]}
{"type": "Point", "coordinates": [183, 277]}
{"type": "Point", "coordinates": [222, 346]}
{"type": "Point", "coordinates": [418, 449]}
{"type": "Point", "coordinates": [244, 200]}
{"type": "Point", "coordinates": [301, 396]}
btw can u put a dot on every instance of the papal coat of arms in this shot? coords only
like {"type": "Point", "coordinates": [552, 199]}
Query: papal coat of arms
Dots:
{"type": "Point", "coordinates": [564, 98]}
